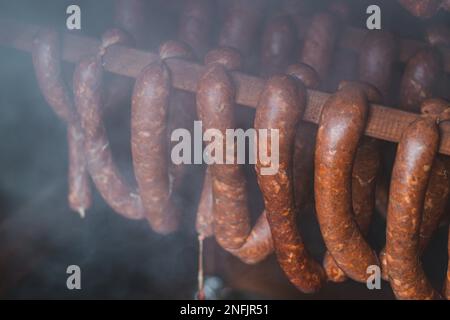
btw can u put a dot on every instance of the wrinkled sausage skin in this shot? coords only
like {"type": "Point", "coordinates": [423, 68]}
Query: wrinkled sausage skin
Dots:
{"type": "Point", "coordinates": [376, 60]}
{"type": "Point", "coordinates": [87, 88]}
{"type": "Point", "coordinates": [227, 184]}
{"type": "Point", "coordinates": [148, 144]}
{"type": "Point", "coordinates": [420, 79]}
{"type": "Point", "coordinates": [438, 189]}
{"type": "Point", "coordinates": [47, 64]}
{"type": "Point", "coordinates": [415, 154]}
{"type": "Point", "coordinates": [341, 126]}
{"type": "Point", "coordinates": [319, 43]}
{"type": "Point", "coordinates": [280, 107]}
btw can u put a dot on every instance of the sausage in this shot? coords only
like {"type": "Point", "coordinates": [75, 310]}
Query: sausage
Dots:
{"type": "Point", "coordinates": [340, 129]}
{"type": "Point", "coordinates": [181, 113]}
{"type": "Point", "coordinates": [376, 60]}
{"type": "Point", "coordinates": [438, 189]}
{"type": "Point", "coordinates": [305, 139]}
{"type": "Point", "coordinates": [278, 45]}
{"type": "Point", "coordinates": [241, 24]}
{"type": "Point", "coordinates": [130, 15]}
{"type": "Point", "coordinates": [364, 173]}
{"type": "Point", "coordinates": [47, 64]}
{"type": "Point", "coordinates": [204, 224]}
{"type": "Point", "coordinates": [215, 107]}
{"type": "Point", "coordinates": [420, 79]}
{"type": "Point", "coordinates": [149, 141]}
{"type": "Point", "coordinates": [297, 10]}
{"type": "Point", "coordinates": [229, 207]}
{"type": "Point", "coordinates": [280, 107]}
{"type": "Point", "coordinates": [412, 169]}
{"type": "Point", "coordinates": [438, 35]}
{"type": "Point", "coordinates": [195, 25]}
{"type": "Point", "coordinates": [422, 8]}
{"type": "Point", "coordinates": [319, 43]}
{"type": "Point", "coordinates": [87, 88]}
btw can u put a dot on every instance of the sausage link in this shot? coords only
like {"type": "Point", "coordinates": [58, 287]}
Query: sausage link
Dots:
{"type": "Point", "coordinates": [305, 140]}
{"type": "Point", "coordinates": [376, 60]}
{"type": "Point", "coordinates": [412, 168]}
{"type": "Point", "coordinates": [364, 173]}
{"type": "Point", "coordinates": [215, 108]}
{"type": "Point", "coordinates": [341, 127]}
{"type": "Point", "coordinates": [438, 189]}
{"type": "Point", "coordinates": [130, 15]}
{"type": "Point", "coordinates": [149, 140]}
{"type": "Point", "coordinates": [47, 64]}
{"type": "Point", "coordinates": [278, 45]}
{"type": "Point", "coordinates": [87, 87]}
{"type": "Point", "coordinates": [196, 24]}
{"type": "Point", "coordinates": [420, 79]}
{"type": "Point", "coordinates": [204, 224]}
{"type": "Point", "coordinates": [319, 43]}
{"type": "Point", "coordinates": [241, 25]}
{"type": "Point", "coordinates": [226, 184]}
{"type": "Point", "coordinates": [80, 195]}
{"type": "Point", "coordinates": [280, 107]}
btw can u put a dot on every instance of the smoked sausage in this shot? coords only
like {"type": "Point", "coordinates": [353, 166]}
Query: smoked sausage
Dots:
{"type": "Point", "coordinates": [410, 176]}
{"type": "Point", "coordinates": [151, 96]}
{"type": "Point", "coordinates": [319, 43]}
{"type": "Point", "coordinates": [278, 45]}
{"type": "Point", "coordinates": [280, 108]}
{"type": "Point", "coordinates": [340, 129]}
{"type": "Point", "coordinates": [227, 200]}
{"type": "Point", "coordinates": [420, 79]}
{"type": "Point", "coordinates": [364, 173]}
{"type": "Point", "coordinates": [47, 64]}
{"type": "Point", "coordinates": [195, 25]}
{"type": "Point", "coordinates": [87, 88]}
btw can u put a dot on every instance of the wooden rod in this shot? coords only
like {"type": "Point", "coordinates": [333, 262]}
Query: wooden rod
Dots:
{"type": "Point", "coordinates": [383, 123]}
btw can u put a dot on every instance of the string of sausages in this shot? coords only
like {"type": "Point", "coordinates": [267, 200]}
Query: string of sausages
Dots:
{"type": "Point", "coordinates": [332, 166]}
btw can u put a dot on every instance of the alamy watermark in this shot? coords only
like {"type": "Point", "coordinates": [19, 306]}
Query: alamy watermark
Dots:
{"type": "Point", "coordinates": [262, 145]}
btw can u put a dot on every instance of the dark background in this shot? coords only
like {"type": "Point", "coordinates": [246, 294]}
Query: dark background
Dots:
{"type": "Point", "coordinates": [122, 259]}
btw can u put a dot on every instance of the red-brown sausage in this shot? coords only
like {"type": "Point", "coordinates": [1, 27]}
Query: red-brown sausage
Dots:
{"type": "Point", "coordinates": [410, 176]}
{"type": "Point", "coordinates": [376, 60]}
{"type": "Point", "coordinates": [280, 107]}
{"type": "Point", "coordinates": [420, 80]}
{"type": "Point", "coordinates": [319, 43]}
{"type": "Point", "coordinates": [364, 174]}
{"type": "Point", "coordinates": [278, 45]}
{"type": "Point", "coordinates": [215, 107]}
{"type": "Point", "coordinates": [151, 96]}
{"type": "Point", "coordinates": [47, 63]}
{"type": "Point", "coordinates": [196, 24]}
{"type": "Point", "coordinates": [242, 21]}
{"type": "Point", "coordinates": [341, 127]}
{"type": "Point", "coordinates": [87, 88]}
{"type": "Point", "coordinates": [130, 15]}
{"type": "Point", "coordinates": [438, 189]}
